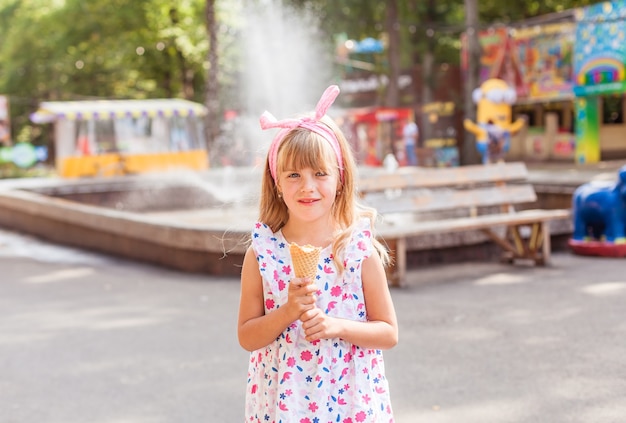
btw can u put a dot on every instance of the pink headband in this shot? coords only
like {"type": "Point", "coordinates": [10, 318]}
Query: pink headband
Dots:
{"type": "Point", "coordinates": [312, 124]}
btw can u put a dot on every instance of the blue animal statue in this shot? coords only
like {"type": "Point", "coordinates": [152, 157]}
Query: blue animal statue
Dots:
{"type": "Point", "coordinates": [599, 211]}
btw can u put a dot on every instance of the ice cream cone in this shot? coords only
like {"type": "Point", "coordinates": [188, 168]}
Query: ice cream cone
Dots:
{"type": "Point", "coordinates": [305, 259]}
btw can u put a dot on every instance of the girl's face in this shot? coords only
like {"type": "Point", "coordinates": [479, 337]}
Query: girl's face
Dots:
{"type": "Point", "coordinates": [308, 193]}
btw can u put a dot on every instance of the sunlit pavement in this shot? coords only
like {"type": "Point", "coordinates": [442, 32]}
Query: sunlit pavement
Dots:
{"type": "Point", "coordinates": [90, 338]}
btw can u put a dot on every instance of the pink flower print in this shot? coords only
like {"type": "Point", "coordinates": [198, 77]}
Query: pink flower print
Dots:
{"type": "Point", "coordinates": [257, 225]}
{"type": "Point", "coordinates": [320, 360]}
{"type": "Point", "coordinates": [254, 388]}
{"type": "Point", "coordinates": [291, 362]}
{"type": "Point", "coordinates": [346, 387]}
{"type": "Point", "coordinates": [361, 246]}
{"type": "Point", "coordinates": [328, 269]}
{"type": "Point", "coordinates": [347, 357]}
{"type": "Point", "coordinates": [360, 416]}
{"type": "Point", "coordinates": [281, 285]}
{"type": "Point", "coordinates": [305, 420]}
{"type": "Point", "coordinates": [286, 376]}
{"type": "Point", "coordinates": [367, 233]}
{"type": "Point", "coordinates": [366, 399]}
{"type": "Point", "coordinates": [306, 355]}
{"type": "Point", "coordinates": [335, 291]}
{"type": "Point", "coordinates": [348, 420]}
{"type": "Point", "coordinates": [313, 406]}
{"type": "Point", "coordinates": [269, 304]}
{"type": "Point", "coordinates": [287, 269]}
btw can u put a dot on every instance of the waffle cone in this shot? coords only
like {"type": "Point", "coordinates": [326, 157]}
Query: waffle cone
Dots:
{"type": "Point", "coordinates": [305, 259]}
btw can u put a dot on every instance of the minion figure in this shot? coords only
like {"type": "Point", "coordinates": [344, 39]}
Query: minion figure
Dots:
{"type": "Point", "coordinates": [494, 128]}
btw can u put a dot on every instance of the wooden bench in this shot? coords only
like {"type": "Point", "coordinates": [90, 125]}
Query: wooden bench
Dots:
{"type": "Point", "coordinates": [422, 201]}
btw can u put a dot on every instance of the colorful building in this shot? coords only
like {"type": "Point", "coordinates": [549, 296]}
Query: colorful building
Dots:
{"type": "Point", "coordinates": [600, 82]}
{"type": "Point", "coordinates": [537, 62]}
{"type": "Point", "coordinates": [569, 73]}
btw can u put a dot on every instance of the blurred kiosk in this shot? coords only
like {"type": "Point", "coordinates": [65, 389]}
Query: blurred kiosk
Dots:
{"type": "Point", "coordinates": [120, 137]}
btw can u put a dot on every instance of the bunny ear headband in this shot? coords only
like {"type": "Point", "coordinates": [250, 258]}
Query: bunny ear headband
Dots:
{"type": "Point", "coordinates": [268, 121]}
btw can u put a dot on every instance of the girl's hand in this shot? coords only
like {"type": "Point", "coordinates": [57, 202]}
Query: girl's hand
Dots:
{"type": "Point", "coordinates": [317, 325]}
{"type": "Point", "coordinates": [300, 296]}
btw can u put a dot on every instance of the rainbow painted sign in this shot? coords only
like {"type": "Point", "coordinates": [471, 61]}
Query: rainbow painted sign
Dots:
{"type": "Point", "coordinates": [600, 70]}
{"type": "Point", "coordinates": [600, 50]}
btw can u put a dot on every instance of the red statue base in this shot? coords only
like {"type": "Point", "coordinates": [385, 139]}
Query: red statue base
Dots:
{"type": "Point", "coordinates": [597, 248]}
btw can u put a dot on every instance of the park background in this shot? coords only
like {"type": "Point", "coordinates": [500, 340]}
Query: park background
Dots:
{"type": "Point", "coordinates": [391, 59]}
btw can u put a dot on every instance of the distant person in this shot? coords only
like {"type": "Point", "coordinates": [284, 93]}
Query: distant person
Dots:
{"type": "Point", "coordinates": [410, 133]}
{"type": "Point", "coordinates": [315, 342]}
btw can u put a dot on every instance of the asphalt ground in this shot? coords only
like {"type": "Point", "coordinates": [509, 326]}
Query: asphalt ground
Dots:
{"type": "Point", "coordinates": [86, 338]}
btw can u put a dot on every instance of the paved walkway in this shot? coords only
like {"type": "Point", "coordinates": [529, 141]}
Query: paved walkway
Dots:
{"type": "Point", "coordinates": [88, 338]}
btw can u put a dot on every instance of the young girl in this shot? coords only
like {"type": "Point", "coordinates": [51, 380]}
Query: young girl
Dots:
{"type": "Point", "coordinates": [315, 344]}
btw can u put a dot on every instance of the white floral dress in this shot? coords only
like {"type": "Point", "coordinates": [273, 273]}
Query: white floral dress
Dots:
{"type": "Point", "coordinates": [293, 380]}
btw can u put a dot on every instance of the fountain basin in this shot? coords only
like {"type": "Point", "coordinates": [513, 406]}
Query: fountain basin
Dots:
{"type": "Point", "coordinates": [168, 222]}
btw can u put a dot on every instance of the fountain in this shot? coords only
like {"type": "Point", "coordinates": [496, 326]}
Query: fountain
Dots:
{"type": "Point", "coordinates": [195, 221]}
{"type": "Point", "coordinates": [174, 222]}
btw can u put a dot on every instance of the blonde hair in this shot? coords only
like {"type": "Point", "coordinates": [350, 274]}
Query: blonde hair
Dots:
{"type": "Point", "coordinates": [302, 148]}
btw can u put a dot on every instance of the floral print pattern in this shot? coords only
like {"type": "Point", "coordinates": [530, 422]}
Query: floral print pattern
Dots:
{"type": "Point", "coordinates": [293, 380]}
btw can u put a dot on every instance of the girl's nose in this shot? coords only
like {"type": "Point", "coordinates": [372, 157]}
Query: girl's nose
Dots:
{"type": "Point", "coordinates": [307, 183]}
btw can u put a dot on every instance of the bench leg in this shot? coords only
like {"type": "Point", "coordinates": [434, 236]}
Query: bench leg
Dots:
{"type": "Point", "coordinates": [536, 247]}
{"type": "Point", "coordinates": [546, 246]}
{"type": "Point", "coordinates": [539, 240]}
{"type": "Point", "coordinates": [400, 261]}
{"type": "Point", "coordinates": [396, 271]}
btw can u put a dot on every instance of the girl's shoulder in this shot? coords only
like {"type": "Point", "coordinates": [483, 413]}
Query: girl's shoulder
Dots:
{"type": "Point", "coordinates": [264, 238]}
{"type": "Point", "coordinates": [363, 227]}
{"type": "Point", "coordinates": [361, 238]}
{"type": "Point", "coordinates": [270, 249]}
{"type": "Point", "coordinates": [261, 230]}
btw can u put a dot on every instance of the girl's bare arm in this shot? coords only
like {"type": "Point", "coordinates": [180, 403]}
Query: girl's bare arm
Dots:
{"type": "Point", "coordinates": [256, 329]}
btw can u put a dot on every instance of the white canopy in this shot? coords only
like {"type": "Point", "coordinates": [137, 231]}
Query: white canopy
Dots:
{"type": "Point", "coordinates": [50, 111]}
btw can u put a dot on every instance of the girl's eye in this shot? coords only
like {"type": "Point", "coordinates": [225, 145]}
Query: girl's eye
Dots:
{"type": "Point", "coordinates": [293, 175]}
{"type": "Point", "coordinates": [321, 173]}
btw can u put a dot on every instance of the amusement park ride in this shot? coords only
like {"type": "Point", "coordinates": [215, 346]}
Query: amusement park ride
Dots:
{"type": "Point", "coordinates": [119, 137]}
